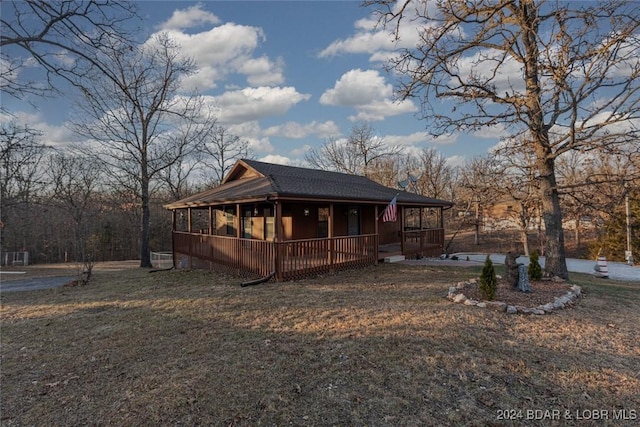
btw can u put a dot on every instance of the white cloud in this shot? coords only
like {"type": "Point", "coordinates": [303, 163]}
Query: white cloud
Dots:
{"type": "Point", "coordinates": [221, 51]}
{"type": "Point", "coordinates": [262, 71]}
{"type": "Point", "coordinates": [277, 159]}
{"type": "Point", "coordinates": [294, 130]}
{"type": "Point", "coordinates": [368, 93]}
{"type": "Point", "coordinates": [300, 151]}
{"type": "Point", "coordinates": [372, 38]}
{"type": "Point", "coordinates": [489, 64]}
{"type": "Point", "coordinates": [456, 161]}
{"type": "Point", "coordinates": [419, 138]}
{"type": "Point", "coordinates": [497, 131]}
{"type": "Point", "coordinates": [51, 135]}
{"type": "Point", "coordinates": [250, 131]}
{"type": "Point", "coordinates": [190, 17]}
{"type": "Point", "coordinates": [256, 103]}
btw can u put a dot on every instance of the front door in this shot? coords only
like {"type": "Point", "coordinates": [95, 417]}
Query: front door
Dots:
{"type": "Point", "coordinates": [353, 220]}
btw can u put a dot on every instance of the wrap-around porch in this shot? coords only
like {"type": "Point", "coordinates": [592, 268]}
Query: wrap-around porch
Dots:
{"type": "Point", "coordinates": [293, 240]}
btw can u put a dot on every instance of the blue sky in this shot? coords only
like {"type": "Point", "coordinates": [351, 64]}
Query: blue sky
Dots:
{"type": "Point", "coordinates": [285, 75]}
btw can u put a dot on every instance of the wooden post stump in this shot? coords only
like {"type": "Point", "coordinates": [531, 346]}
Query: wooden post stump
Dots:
{"type": "Point", "coordinates": [511, 269]}
{"type": "Point", "coordinates": [523, 279]}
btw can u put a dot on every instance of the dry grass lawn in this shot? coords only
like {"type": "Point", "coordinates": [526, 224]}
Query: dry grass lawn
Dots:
{"type": "Point", "coordinates": [380, 346]}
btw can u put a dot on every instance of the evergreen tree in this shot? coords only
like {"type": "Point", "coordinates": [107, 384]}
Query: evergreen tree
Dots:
{"type": "Point", "coordinates": [535, 270]}
{"type": "Point", "coordinates": [488, 281]}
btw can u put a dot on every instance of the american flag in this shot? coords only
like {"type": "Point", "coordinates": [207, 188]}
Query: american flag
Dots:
{"type": "Point", "coordinates": [391, 212]}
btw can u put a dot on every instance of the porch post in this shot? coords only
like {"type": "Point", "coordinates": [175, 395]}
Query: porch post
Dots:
{"type": "Point", "coordinates": [189, 220]}
{"type": "Point", "coordinates": [210, 220]}
{"type": "Point", "coordinates": [421, 235]}
{"type": "Point", "coordinates": [237, 221]}
{"type": "Point", "coordinates": [277, 239]}
{"type": "Point", "coordinates": [402, 229]}
{"type": "Point", "coordinates": [331, 240]}
{"type": "Point", "coordinates": [376, 231]}
{"type": "Point", "coordinates": [173, 237]}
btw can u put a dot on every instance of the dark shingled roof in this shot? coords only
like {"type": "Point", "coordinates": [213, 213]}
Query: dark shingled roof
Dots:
{"type": "Point", "coordinates": [275, 181]}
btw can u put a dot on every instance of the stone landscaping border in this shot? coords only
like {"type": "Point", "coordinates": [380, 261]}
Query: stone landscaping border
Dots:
{"type": "Point", "coordinates": [456, 295]}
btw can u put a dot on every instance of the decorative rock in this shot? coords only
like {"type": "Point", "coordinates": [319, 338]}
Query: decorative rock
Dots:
{"type": "Point", "coordinates": [459, 298]}
{"type": "Point", "coordinates": [569, 298]}
{"type": "Point", "coordinates": [548, 307]}
{"type": "Point", "coordinates": [496, 305]}
{"type": "Point", "coordinates": [557, 279]}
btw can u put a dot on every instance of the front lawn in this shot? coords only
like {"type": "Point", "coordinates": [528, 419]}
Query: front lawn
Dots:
{"type": "Point", "coordinates": [379, 346]}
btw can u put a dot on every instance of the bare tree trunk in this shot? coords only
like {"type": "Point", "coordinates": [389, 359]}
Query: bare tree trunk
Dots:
{"type": "Point", "coordinates": [145, 255]}
{"type": "Point", "coordinates": [525, 241]}
{"type": "Point", "coordinates": [477, 225]}
{"type": "Point", "coordinates": [555, 262]}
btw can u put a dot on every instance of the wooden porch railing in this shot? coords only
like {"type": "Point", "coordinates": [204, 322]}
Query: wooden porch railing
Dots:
{"type": "Point", "coordinates": [243, 257]}
{"type": "Point", "coordinates": [290, 259]}
{"type": "Point", "coordinates": [426, 242]}
{"type": "Point", "coordinates": [301, 258]}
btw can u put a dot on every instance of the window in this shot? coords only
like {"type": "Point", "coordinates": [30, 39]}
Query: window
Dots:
{"type": "Point", "coordinates": [323, 222]}
{"type": "Point", "coordinates": [231, 226]}
{"type": "Point", "coordinates": [269, 225]}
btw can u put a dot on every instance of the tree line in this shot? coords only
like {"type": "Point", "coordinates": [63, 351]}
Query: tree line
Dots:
{"type": "Point", "coordinates": [561, 78]}
{"type": "Point", "coordinates": [63, 205]}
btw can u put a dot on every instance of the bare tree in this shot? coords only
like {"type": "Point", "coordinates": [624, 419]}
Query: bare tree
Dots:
{"type": "Point", "coordinates": [431, 173]}
{"type": "Point", "coordinates": [477, 190]}
{"type": "Point", "coordinates": [220, 153]}
{"type": "Point", "coordinates": [565, 75]}
{"type": "Point", "coordinates": [138, 122]}
{"type": "Point", "coordinates": [64, 37]}
{"type": "Point", "coordinates": [21, 182]}
{"type": "Point", "coordinates": [356, 155]}
{"type": "Point", "coordinates": [76, 181]}
{"type": "Point", "coordinates": [514, 179]}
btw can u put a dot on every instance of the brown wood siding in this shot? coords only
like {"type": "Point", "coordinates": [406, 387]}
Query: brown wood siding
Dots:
{"type": "Point", "coordinates": [368, 219]}
{"type": "Point", "coordinates": [340, 220]}
{"type": "Point", "coordinates": [304, 227]}
{"type": "Point", "coordinates": [388, 231]}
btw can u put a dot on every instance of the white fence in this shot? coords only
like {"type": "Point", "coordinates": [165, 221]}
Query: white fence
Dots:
{"type": "Point", "coordinates": [15, 258]}
{"type": "Point", "coordinates": [162, 259]}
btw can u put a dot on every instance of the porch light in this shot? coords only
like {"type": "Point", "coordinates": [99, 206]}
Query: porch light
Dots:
{"type": "Point", "coordinates": [306, 211]}
{"type": "Point", "coordinates": [255, 211]}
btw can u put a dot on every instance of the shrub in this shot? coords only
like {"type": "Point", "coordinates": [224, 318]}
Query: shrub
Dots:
{"type": "Point", "coordinates": [488, 281]}
{"type": "Point", "coordinates": [535, 271]}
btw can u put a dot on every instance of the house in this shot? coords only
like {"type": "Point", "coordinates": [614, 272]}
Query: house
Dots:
{"type": "Point", "coordinates": [293, 222]}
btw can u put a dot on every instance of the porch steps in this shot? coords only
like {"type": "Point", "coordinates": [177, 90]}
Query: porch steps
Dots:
{"type": "Point", "coordinates": [394, 258]}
